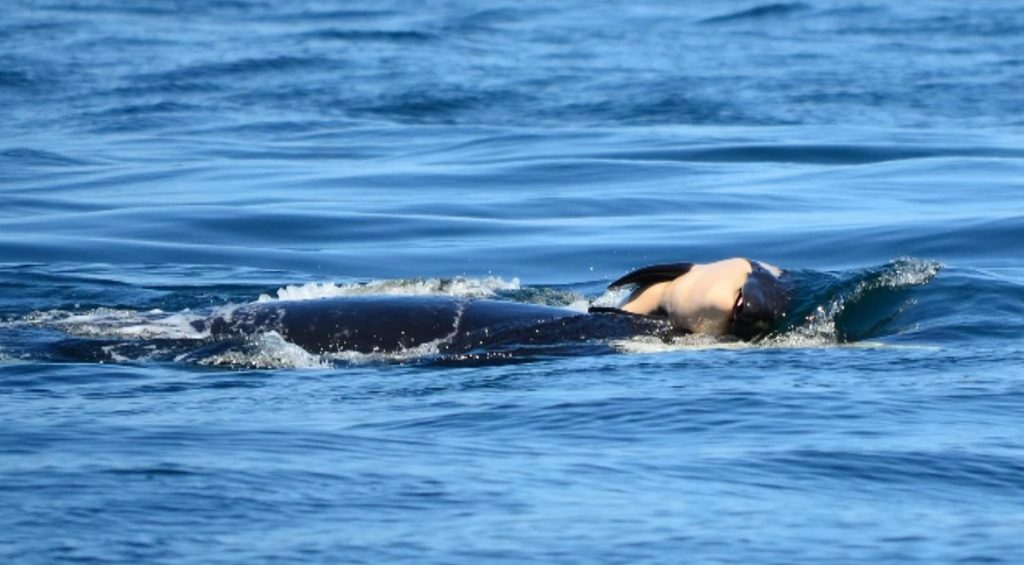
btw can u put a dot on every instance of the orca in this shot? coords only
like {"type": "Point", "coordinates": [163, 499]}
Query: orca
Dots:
{"type": "Point", "coordinates": [385, 324]}
{"type": "Point", "coordinates": [740, 297]}
{"type": "Point", "coordinates": [734, 297]}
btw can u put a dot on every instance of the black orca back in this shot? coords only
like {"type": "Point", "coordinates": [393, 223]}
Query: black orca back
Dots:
{"type": "Point", "coordinates": [368, 324]}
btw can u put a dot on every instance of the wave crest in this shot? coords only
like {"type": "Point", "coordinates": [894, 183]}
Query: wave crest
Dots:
{"type": "Point", "coordinates": [862, 306]}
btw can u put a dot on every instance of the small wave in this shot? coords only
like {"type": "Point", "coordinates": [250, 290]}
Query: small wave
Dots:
{"type": "Point", "coordinates": [758, 13]}
{"type": "Point", "coordinates": [162, 107]}
{"type": "Point", "coordinates": [35, 157]}
{"type": "Point", "coordinates": [937, 470]}
{"type": "Point", "coordinates": [327, 15]}
{"type": "Point", "coordinates": [437, 104]}
{"type": "Point", "coordinates": [661, 102]}
{"type": "Point", "coordinates": [859, 311]}
{"type": "Point", "coordinates": [360, 35]}
{"type": "Point", "coordinates": [458, 286]}
{"type": "Point", "coordinates": [805, 154]}
{"type": "Point", "coordinates": [906, 272]}
{"type": "Point", "coordinates": [15, 80]}
{"type": "Point", "coordinates": [489, 19]}
{"type": "Point", "coordinates": [138, 117]}
{"type": "Point", "coordinates": [239, 68]}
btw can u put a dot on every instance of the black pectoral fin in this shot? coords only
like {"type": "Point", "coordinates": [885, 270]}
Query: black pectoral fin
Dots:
{"type": "Point", "coordinates": [653, 274]}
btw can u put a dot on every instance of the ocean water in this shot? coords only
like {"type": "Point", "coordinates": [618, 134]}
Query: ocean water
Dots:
{"type": "Point", "coordinates": [161, 161]}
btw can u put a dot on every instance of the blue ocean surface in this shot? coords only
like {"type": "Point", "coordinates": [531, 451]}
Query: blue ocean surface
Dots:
{"type": "Point", "coordinates": [162, 161]}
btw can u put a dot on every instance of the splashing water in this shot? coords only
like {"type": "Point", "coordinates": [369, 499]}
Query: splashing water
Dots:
{"type": "Point", "coordinates": [457, 286]}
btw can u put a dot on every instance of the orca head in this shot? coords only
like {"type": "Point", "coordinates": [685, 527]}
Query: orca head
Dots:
{"type": "Point", "coordinates": [761, 304]}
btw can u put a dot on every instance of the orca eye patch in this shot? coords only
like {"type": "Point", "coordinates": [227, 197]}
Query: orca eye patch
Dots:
{"type": "Point", "coordinates": [760, 304]}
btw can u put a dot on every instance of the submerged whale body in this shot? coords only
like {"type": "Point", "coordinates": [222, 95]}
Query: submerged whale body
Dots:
{"type": "Point", "coordinates": [370, 324]}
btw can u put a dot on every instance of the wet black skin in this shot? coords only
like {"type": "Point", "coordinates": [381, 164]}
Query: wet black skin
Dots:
{"type": "Point", "coordinates": [368, 324]}
{"type": "Point", "coordinates": [762, 304]}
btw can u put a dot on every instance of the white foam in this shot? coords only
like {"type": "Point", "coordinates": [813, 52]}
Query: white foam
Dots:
{"type": "Point", "coordinates": [650, 344]}
{"type": "Point", "coordinates": [111, 322]}
{"type": "Point", "coordinates": [581, 305]}
{"type": "Point", "coordinates": [268, 351]}
{"type": "Point", "coordinates": [613, 298]}
{"type": "Point", "coordinates": [458, 286]}
{"type": "Point", "coordinates": [907, 271]}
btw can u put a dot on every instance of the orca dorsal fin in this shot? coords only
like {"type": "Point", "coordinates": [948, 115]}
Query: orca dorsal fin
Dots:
{"type": "Point", "coordinates": [653, 274]}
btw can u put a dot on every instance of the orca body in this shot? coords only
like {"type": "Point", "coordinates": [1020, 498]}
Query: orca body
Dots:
{"type": "Point", "coordinates": [372, 324]}
{"type": "Point", "coordinates": [736, 297]}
